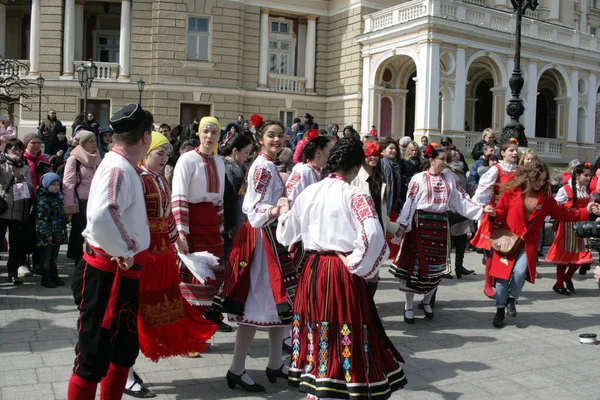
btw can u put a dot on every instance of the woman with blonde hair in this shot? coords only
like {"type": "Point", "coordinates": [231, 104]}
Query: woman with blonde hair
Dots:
{"type": "Point", "coordinates": [488, 136]}
{"type": "Point", "coordinates": [529, 156]}
{"type": "Point", "coordinates": [412, 161]}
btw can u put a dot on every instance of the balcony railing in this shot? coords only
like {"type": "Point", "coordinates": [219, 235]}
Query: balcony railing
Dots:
{"type": "Point", "coordinates": [470, 139]}
{"type": "Point", "coordinates": [105, 71]}
{"type": "Point", "coordinates": [285, 83]}
{"type": "Point", "coordinates": [7, 70]}
{"type": "Point", "coordinates": [549, 147]}
{"type": "Point", "coordinates": [471, 13]}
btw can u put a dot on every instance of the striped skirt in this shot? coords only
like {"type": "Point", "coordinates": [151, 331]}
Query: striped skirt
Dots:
{"type": "Point", "coordinates": [424, 256]}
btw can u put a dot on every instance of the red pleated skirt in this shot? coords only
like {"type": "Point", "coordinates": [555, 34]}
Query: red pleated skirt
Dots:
{"type": "Point", "coordinates": [340, 348]}
{"type": "Point", "coordinates": [167, 324]}
{"type": "Point", "coordinates": [205, 235]}
{"type": "Point", "coordinates": [481, 239]}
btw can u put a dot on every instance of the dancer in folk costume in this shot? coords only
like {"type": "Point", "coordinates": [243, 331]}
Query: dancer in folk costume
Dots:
{"type": "Point", "coordinates": [340, 348]}
{"type": "Point", "coordinates": [424, 251]}
{"type": "Point", "coordinates": [522, 209]}
{"type": "Point", "coordinates": [568, 251]}
{"type": "Point", "coordinates": [487, 193]}
{"type": "Point", "coordinates": [167, 324]}
{"type": "Point", "coordinates": [260, 280]}
{"type": "Point", "coordinates": [105, 282]}
{"type": "Point", "coordinates": [198, 187]}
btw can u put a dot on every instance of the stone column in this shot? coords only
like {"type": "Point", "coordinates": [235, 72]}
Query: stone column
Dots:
{"type": "Point", "coordinates": [365, 115]}
{"type": "Point", "coordinates": [400, 111]}
{"type": "Point", "coordinates": [428, 89]}
{"type": "Point", "coordinates": [573, 106]}
{"type": "Point", "coordinates": [583, 19]}
{"type": "Point", "coordinates": [470, 112]}
{"type": "Point", "coordinates": [554, 10]}
{"type": "Point", "coordinates": [125, 40]}
{"type": "Point", "coordinates": [311, 46]}
{"type": "Point", "coordinates": [69, 38]}
{"type": "Point", "coordinates": [78, 52]}
{"type": "Point", "coordinates": [263, 63]}
{"type": "Point", "coordinates": [2, 30]}
{"type": "Point", "coordinates": [460, 89]}
{"type": "Point", "coordinates": [34, 38]}
{"type": "Point", "coordinates": [498, 108]}
{"type": "Point", "coordinates": [531, 104]}
{"type": "Point", "coordinates": [590, 129]}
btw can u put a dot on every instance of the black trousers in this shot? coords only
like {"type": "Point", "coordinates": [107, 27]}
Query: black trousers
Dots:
{"type": "Point", "coordinates": [78, 224]}
{"type": "Point", "coordinates": [97, 347]}
{"type": "Point", "coordinates": [16, 250]}
{"type": "Point", "coordinates": [460, 245]}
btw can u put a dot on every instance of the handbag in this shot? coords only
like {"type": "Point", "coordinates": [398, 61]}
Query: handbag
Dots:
{"type": "Point", "coordinates": [504, 242]}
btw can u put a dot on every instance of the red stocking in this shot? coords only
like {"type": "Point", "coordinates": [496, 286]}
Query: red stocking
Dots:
{"type": "Point", "coordinates": [560, 276]}
{"type": "Point", "coordinates": [488, 289]}
{"type": "Point", "coordinates": [80, 389]}
{"type": "Point", "coordinates": [571, 271]}
{"type": "Point", "coordinates": [113, 384]}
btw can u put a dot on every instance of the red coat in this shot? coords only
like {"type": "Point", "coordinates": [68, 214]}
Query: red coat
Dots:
{"type": "Point", "coordinates": [510, 213]}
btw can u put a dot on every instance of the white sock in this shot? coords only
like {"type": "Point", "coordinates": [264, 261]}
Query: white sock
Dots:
{"type": "Point", "coordinates": [408, 305]}
{"type": "Point", "coordinates": [243, 338]}
{"type": "Point", "coordinates": [131, 383]}
{"type": "Point", "coordinates": [427, 301]}
{"type": "Point", "coordinates": [275, 351]}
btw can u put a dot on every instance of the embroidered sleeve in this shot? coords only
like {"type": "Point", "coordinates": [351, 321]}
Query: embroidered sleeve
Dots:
{"type": "Point", "coordinates": [485, 189]}
{"type": "Point", "coordinates": [181, 187]}
{"type": "Point", "coordinates": [293, 186]}
{"type": "Point", "coordinates": [114, 196]}
{"type": "Point", "coordinates": [410, 205]}
{"type": "Point", "coordinates": [260, 186]}
{"type": "Point", "coordinates": [370, 246]}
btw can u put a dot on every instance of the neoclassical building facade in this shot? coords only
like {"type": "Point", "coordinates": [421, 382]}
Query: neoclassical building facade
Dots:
{"type": "Point", "coordinates": [408, 67]}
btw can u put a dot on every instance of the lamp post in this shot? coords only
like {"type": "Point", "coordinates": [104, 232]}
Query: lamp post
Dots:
{"type": "Point", "coordinates": [141, 85]}
{"type": "Point", "coordinates": [40, 84]}
{"type": "Point", "coordinates": [86, 75]}
{"type": "Point", "coordinates": [515, 108]}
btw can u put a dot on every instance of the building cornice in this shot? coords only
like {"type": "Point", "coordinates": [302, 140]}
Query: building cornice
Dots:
{"type": "Point", "coordinates": [303, 10]}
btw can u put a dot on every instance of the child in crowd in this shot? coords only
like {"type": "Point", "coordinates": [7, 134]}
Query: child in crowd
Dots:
{"type": "Point", "coordinates": [51, 228]}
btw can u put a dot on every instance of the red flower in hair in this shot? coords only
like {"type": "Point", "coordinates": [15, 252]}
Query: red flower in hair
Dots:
{"type": "Point", "coordinates": [371, 149]}
{"type": "Point", "coordinates": [514, 140]}
{"type": "Point", "coordinates": [429, 150]}
{"type": "Point", "coordinates": [587, 165]}
{"type": "Point", "coordinates": [311, 134]}
{"type": "Point", "coordinates": [256, 120]}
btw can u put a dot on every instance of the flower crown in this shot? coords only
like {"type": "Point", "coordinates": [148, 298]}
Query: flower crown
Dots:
{"type": "Point", "coordinates": [513, 140]}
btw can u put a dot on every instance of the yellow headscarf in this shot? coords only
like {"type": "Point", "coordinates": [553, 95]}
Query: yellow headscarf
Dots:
{"type": "Point", "coordinates": [158, 140]}
{"type": "Point", "coordinates": [210, 120]}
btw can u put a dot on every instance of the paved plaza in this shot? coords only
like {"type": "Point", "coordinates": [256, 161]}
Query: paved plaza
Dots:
{"type": "Point", "coordinates": [458, 355]}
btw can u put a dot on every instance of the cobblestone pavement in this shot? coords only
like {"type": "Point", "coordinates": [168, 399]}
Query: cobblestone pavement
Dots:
{"type": "Point", "coordinates": [458, 355]}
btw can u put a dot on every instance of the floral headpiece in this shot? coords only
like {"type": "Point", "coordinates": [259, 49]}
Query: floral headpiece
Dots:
{"type": "Point", "coordinates": [587, 165]}
{"type": "Point", "coordinates": [513, 140]}
{"type": "Point", "coordinates": [256, 120]}
{"type": "Point", "coordinates": [313, 133]}
{"type": "Point", "coordinates": [371, 149]}
{"type": "Point", "coordinates": [430, 150]}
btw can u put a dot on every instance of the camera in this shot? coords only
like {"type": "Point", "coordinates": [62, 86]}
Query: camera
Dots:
{"type": "Point", "coordinates": [17, 163]}
{"type": "Point", "coordinates": [587, 229]}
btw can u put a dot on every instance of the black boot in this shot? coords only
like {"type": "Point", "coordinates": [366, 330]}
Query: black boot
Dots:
{"type": "Point", "coordinates": [499, 318]}
{"type": "Point", "coordinates": [372, 288]}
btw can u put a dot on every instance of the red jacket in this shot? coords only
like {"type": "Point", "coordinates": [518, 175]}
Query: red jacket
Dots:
{"type": "Point", "coordinates": [510, 213]}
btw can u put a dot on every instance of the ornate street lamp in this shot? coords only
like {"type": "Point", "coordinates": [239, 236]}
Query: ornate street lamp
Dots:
{"type": "Point", "coordinates": [141, 84]}
{"type": "Point", "coordinates": [40, 84]}
{"type": "Point", "coordinates": [86, 75]}
{"type": "Point", "coordinates": [515, 107]}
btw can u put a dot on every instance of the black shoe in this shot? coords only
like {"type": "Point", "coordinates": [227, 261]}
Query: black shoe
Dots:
{"type": "Point", "coordinates": [59, 282]}
{"type": "Point", "coordinates": [143, 393]}
{"type": "Point", "coordinates": [511, 307]}
{"type": "Point", "coordinates": [570, 286]}
{"type": "Point", "coordinates": [428, 315]}
{"type": "Point", "coordinates": [233, 380]}
{"type": "Point", "coordinates": [16, 281]}
{"type": "Point", "coordinates": [462, 271]}
{"type": "Point", "coordinates": [273, 374]}
{"type": "Point", "coordinates": [137, 378]}
{"type": "Point", "coordinates": [409, 320]}
{"type": "Point", "coordinates": [223, 327]}
{"type": "Point", "coordinates": [540, 254]}
{"type": "Point", "coordinates": [499, 318]}
{"type": "Point", "coordinates": [561, 290]}
{"type": "Point", "coordinates": [448, 276]}
{"type": "Point", "coordinates": [286, 347]}
{"type": "Point", "coordinates": [583, 269]}
{"type": "Point", "coordinates": [49, 284]}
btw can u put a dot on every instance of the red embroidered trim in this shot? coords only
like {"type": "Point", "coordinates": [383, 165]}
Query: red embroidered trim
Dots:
{"type": "Point", "coordinates": [268, 157]}
{"type": "Point", "coordinates": [114, 187]}
{"type": "Point", "coordinates": [363, 208]}
{"type": "Point", "coordinates": [118, 151]}
{"type": "Point", "coordinates": [260, 181]}
{"type": "Point", "coordinates": [211, 172]}
{"type": "Point", "coordinates": [338, 177]}
{"type": "Point", "coordinates": [291, 182]}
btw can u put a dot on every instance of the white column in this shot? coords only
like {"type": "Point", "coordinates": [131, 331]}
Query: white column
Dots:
{"type": "Point", "coordinates": [498, 107]}
{"type": "Point", "coordinates": [69, 38]}
{"type": "Point", "coordinates": [428, 89]}
{"type": "Point", "coordinates": [34, 39]}
{"type": "Point", "coordinates": [554, 10]}
{"type": "Point", "coordinates": [311, 46]}
{"type": "Point", "coordinates": [460, 89]}
{"type": "Point", "coordinates": [125, 40]}
{"type": "Point", "coordinates": [583, 19]}
{"type": "Point", "coordinates": [590, 130]}
{"type": "Point", "coordinates": [78, 53]}
{"type": "Point", "coordinates": [573, 106]}
{"type": "Point", "coordinates": [531, 105]}
{"type": "Point", "coordinates": [263, 63]}
{"type": "Point", "coordinates": [2, 30]}
{"type": "Point", "coordinates": [366, 92]}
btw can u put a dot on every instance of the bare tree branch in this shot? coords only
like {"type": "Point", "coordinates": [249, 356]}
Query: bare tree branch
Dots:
{"type": "Point", "coordinates": [14, 89]}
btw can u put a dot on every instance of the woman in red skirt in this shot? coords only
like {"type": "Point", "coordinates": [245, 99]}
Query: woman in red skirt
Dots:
{"type": "Point", "coordinates": [340, 348]}
{"type": "Point", "coordinates": [487, 193]}
{"type": "Point", "coordinates": [568, 251]}
{"type": "Point", "coordinates": [167, 324]}
{"type": "Point", "coordinates": [260, 280]}
{"type": "Point", "coordinates": [198, 188]}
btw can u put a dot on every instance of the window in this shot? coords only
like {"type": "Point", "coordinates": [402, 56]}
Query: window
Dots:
{"type": "Point", "coordinates": [189, 111]}
{"type": "Point", "coordinates": [108, 48]}
{"type": "Point", "coordinates": [280, 57]}
{"type": "Point", "coordinates": [286, 117]}
{"type": "Point", "coordinates": [198, 39]}
{"type": "Point", "coordinates": [593, 30]}
{"type": "Point", "coordinates": [280, 27]}
{"type": "Point", "coordinates": [100, 108]}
